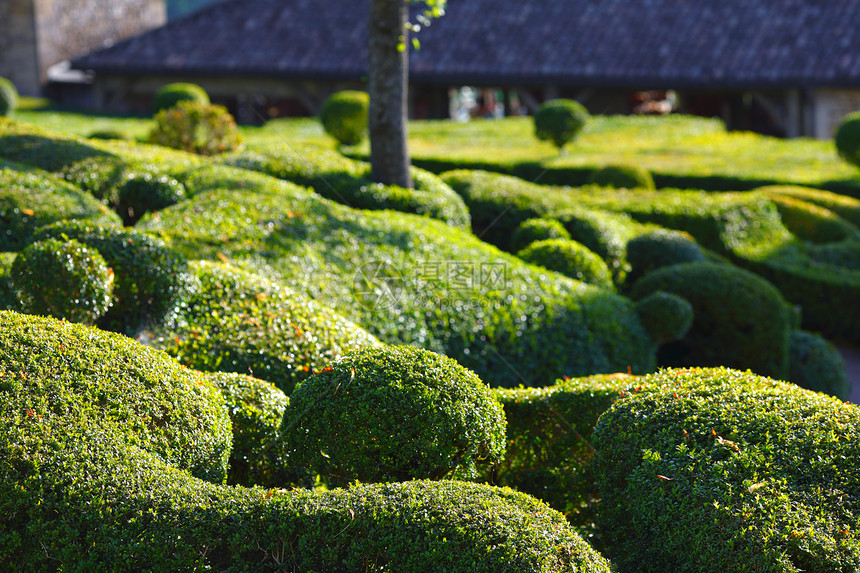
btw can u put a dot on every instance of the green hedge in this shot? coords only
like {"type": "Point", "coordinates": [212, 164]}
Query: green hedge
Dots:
{"type": "Point", "coordinates": [719, 470]}
{"type": "Point", "coordinates": [236, 321]}
{"type": "Point", "coordinates": [102, 438]}
{"type": "Point", "coordinates": [569, 258]}
{"type": "Point", "coordinates": [8, 298]}
{"type": "Point", "coordinates": [647, 253]}
{"type": "Point", "coordinates": [8, 97]}
{"type": "Point", "coordinates": [30, 198]}
{"type": "Point", "coordinates": [169, 95]}
{"type": "Point", "coordinates": [848, 208]}
{"type": "Point", "coordinates": [538, 229]}
{"type": "Point", "coordinates": [812, 222]}
{"type": "Point", "coordinates": [623, 177]}
{"type": "Point", "coordinates": [815, 364]}
{"type": "Point", "coordinates": [348, 181]}
{"type": "Point", "coordinates": [393, 413]}
{"type": "Point", "coordinates": [344, 116]}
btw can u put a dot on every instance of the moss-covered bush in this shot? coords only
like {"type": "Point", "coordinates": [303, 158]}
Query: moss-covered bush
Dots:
{"type": "Point", "coordinates": [63, 279]}
{"type": "Point", "coordinates": [149, 277]}
{"type": "Point", "coordinates": [8, 97]}
{"type": "Point", "coordinates": [103, 446]}
{"type": "Point", "coordinates": [815, 364]}
{"type": "Point", "coordinates": [195, 127]}
{"type": "Point", "coordinates": [569, 258]}
{"type": "Point", "coordinates": [537, 229]}
{"type": "Point", "coordinates": [30, 198]}
{"type": "Point", "coordinates": [718, 470]}
{"type": "Point", "coordinates": [171, 94]}
{"type": "Point", "coordinates": [741, 320]}
{"type": "Point", "coordinates": [666, 316]}
{"type": "Point", "coordinates": [847, 138]}
{"type": "Point", "coordinates": [235, 321]}
{"type": "Point", "coordinates": [344, 116]}
{"type": "Point", "coordinates": [560, 121]}
{"type": "Point", "coordinates": [623, 177]}
{"type": "Point", "coordinates": [660, 248]}
{"type": "Point", "coordinates": [393, 414]}
{"type": "Point", "coordinates": [348, 182]}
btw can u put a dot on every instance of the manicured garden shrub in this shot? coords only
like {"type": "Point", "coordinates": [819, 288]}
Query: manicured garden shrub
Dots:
{"type": "Point", "coordinates": [149, 277]}
{"type": "Point", "coordinates": [107, 134]}
{"type": "Point", "coordinates": [103, 443]}
{"type": "Point", "coordinates": [811, 222]}
{"type": "Point", "coordinates": [63, 279]}
{"type": "Point", "coordinates": [195, 127]}
{"type": "Point", "coordinates": [660, 248]}
{"type": "Point", "coordinates": [848, 208]}
{"type": "Point", "coordinates": [569, 258]}
{"type": "Point", "coordinates": [719, 470]}
{"type": "Point", "coordinates": [666, 316]}
{"type": "Point", "coordinates": [8, 298]}
{"type": "Point", "coordinates": [348, 182]}
{"type": "Point", "coordinates": [30, 198]}
{"type": "Point", "coordinates": [847, 138]}
{"type": "Point", "coordinates": [560, 121]}
{"type": "Point", "coordinates": [393, 413]}
{"type": "Point", "coordinates": [236, 321]}
{"type": "Point", "coordinates": [143, 191]}
{"type": "Point", "coordinates": [623, 177]}
{"type": "Point", "coordinates": [171, 94]}
{"type": "Point", "coordinates": [8, 97]}
{"type": "Point", "coordinates": [537, 229]}
{"type": "Point", "coordinates": [344, 116]}
{"type": "Point", "coordinates": [815, 364]}
{"type": "Point", "coordinates": [741, 320]}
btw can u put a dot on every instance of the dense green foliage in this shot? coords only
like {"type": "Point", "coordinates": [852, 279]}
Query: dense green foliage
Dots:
{"type": "Point", "coordinates": [741, 321]}
{"type": "Point", "coordinates": [848, 208]}
{"type": "Point", "coordinates": [348, 181]}
{"type": "Point", "coordinates": [393, 413]}
{"type": "Point", "coordinates": [847, 138]}
{"type": "Point", "coordinates": [344, 116]}
{"type": "Point", "coordinates": [149, 277]}
{"type": "Point", "coordinates": [235, 321]}
{"type": "Point", "coordinates": [171, 94]}
{"type": "Point", "coordinates": [569, 258]}
{"type": "Point", "coordinates": [537, 229]}
{"type": "Point", "coordinates": [196, 127]}
{"type": "Point", "coordinates": [560, 121]}
{"type": "Point", "coordinates": [103, 443]}
{"type": "Point", "coordinates": [666, 316]}
{"type": "Point", "coordinates": [815, 364]}
{"type": "Point", "coordinates": [8, 298]}
{"type": "Point", "coordinates": [622, 177]}
{"type": "Point", "coordinates": [144, 191]}
{"type": "Point", "coordinates": [63, 279]}
{"type": "Point", "coordinates": [8, 97]}
{"type": "Point", "coordinates": [811, 222]}
{"type": "Point", "coordinates": [718, 470]}
{"type": "Point", "coordinates": [660, 248]}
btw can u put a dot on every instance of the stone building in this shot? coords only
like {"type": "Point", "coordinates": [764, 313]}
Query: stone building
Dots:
{"type": "Point", "coordinates": [38, 34]}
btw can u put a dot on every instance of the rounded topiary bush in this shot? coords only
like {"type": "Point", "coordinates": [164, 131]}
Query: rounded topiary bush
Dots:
{"type": "Point", "coordinates": [741, 320]}
{"type": "Point", "coordinates": [560, 121]}
{"type": "Point", "coordinates": [150, 278]}
{"type": "Point", "coordinates": [168, 96]}
{"type": "Point", "coordinates": [8, 97]}
{"type": "Point", "coordinates": [538, 229]}
{"type": "Point", "coordinates": [63, 279]}
{"type": "Point", "coordinates": [665, 316]}
{"type": "Point", "coordinates": [196, 127]}
{"type": "Point", "coordinates": [344, 116]}
{"type": "Point", "coordinates": [569, 258]}
{"type": "Point", "coordinates": [393, 413]}
{"type": "Point", "coordinates": [815, 364]}
{"type": "Point", "coordinates": [145, 191]}
{"type": "Point", "coordinates": [660, 248]}
{"type": "Point", "coordinates": [623, 177]}
{"type": "Point", "coordinates": [847, 138]}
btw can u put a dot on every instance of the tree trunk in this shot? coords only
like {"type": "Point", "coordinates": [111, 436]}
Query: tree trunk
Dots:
{"type": "Point", "coordinates": [387, 77]}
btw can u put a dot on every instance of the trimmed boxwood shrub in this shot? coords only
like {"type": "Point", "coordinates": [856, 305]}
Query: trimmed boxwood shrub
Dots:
{"type": "Point", "coordinates": [719, 470]}
{"type": "Point", "coordinates": [741, 320]}
{"type": "Point", "coordinates": [569, 258]}
{"type": "Point", "coordinates": [848, 208]}
{"type": "Point", "coordinates": [171, 94]}
{"type": "Point", "coordinates": [666, 316]}
{"type": "Point", "coordinates": [63, 279]}
{"type": "Point", "coordinates": [847, 138]}
{"type": "Point", "coordinates": [8, 298]}
{"type": "Point", "coordinates": [623, 177]}
{"type": "Point", "coordinates": [660, 248]}
{"type": "Point", "coordinates": [815, 364]}
{"type": "Point", "coordinates": [236, 321]}
{"type": "Point", "coordinates": [30, 198]}
{"type": "Point", "coordinates": [537, 229]}
{"type": "Point", "coordinates": [8, 97]}
{"type": "Point", "coordinates": [348, 181]}
{"type": "Point", "coordinates": [144, 191]}
{"type": "Point", "coordinates": [344, 116]}
{"type": "Point", "coordinates": [560, 121]}
{"type": "Point", "coordinates": [812, 222]}
{"type": "Point", "coordinates": [149, 277]}
{"type": "Point", "coordinates": [196, 127]}
{"type": "Point", "coordinates": [102, 441]}
{"type": "Point", "coordinates": [393, 413]}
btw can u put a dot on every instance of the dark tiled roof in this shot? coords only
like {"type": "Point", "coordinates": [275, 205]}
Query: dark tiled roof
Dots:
{"type": "Point", "coordinates": [658, 43]}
